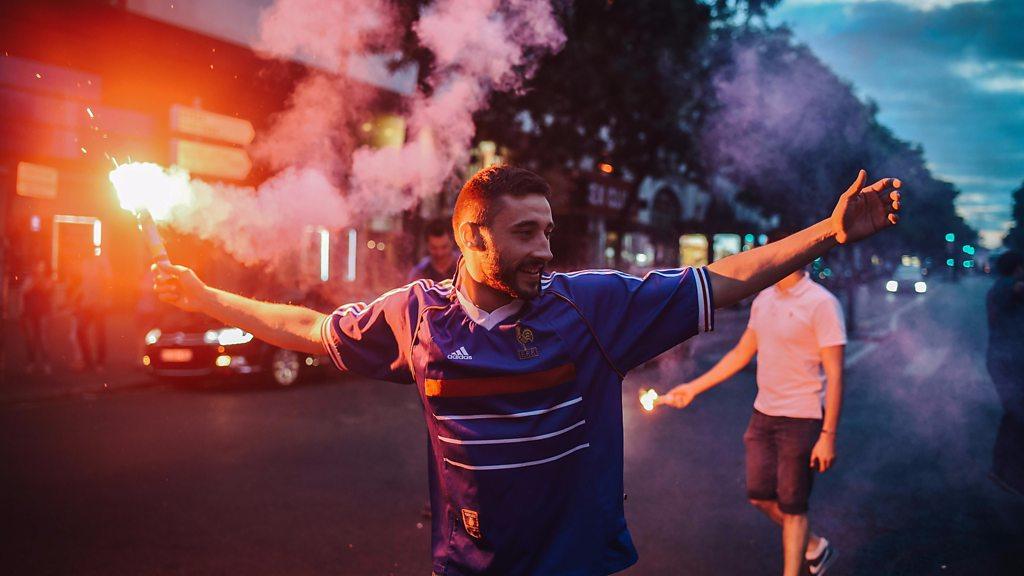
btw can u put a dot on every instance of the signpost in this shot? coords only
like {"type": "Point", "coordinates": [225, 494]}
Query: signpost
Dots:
{"type": "Point", "coordinates": [36, 180]}
{"type": "Point", "coordinates": [197, 122]}
{"type": "Point", "coordinates": [211, 159]}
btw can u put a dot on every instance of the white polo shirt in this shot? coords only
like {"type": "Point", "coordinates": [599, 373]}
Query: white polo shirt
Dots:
{"type": "Point", "coordinates": [792, 326]}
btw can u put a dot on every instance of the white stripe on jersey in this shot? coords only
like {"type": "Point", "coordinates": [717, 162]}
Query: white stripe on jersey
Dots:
{"type": "Point", "coordinates": [511, 440]}
{"type": "Point", "coordinates": [576, 400]}
{"type": "Point", "coordinates": [701, 312]}
{"type": "Point", "coordinates": [518, 464]}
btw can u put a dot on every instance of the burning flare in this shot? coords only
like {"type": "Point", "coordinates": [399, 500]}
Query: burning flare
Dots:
{"type": "Point", "coordinates": [648, 398]}
{"type": "Point", "coordinates": [147, 186]}
{"type": "Point", "coordinates": [151, 193]}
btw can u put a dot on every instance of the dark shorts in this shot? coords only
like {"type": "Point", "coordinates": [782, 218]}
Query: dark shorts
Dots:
{"type": "Point", "coordinates": [779, 459]}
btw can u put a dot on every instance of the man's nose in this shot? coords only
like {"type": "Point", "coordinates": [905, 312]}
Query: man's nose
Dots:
{"type": "Point", "coordinates": [543, 251]}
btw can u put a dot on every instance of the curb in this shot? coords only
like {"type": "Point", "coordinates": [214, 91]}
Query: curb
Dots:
{"type": "Point", "coordinates": [93, 390]}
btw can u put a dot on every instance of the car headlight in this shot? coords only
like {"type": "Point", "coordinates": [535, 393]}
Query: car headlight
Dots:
{"type": "Point", "coordinates": [230, 336]}
{"type": "Point", "coordinates": [892, 285]}
{"type": "Point", "coordinates": [152, 336]}
{"type": "Point", "coordinates": [920, 287]}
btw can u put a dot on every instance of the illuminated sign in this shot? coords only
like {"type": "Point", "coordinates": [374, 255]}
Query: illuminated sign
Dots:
{"type": "Point", "coordinates": [724, 245]}
{"type": "Point", "coordinates": [211, 159]}
{"type": "Point", "coordinates": [607, 194]}
{"type": "Point", "coordinates": [693, 250]}
{"type": "Point", "coordinates": [196, 122]}
{"type": "Point", "coordinates": [36, 181]}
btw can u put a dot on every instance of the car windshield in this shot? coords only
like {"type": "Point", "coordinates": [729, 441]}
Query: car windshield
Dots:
{"type": "Point", "coordinates": [907, 273]}
{"type": "Point", "coordinates": [174, 320]}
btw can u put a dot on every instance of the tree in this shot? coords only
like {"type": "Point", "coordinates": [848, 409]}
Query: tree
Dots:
{"type": "Point", "coordinates": [1014, 239]}
{"type": "Point", "coordinates": [792, 136]}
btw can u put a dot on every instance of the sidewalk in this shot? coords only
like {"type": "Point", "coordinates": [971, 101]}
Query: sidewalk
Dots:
{"type": "Point", "coordinates": [121, 371]}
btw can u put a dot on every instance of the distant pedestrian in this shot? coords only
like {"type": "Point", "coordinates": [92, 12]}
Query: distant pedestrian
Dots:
{"type": "Point", "coordinates": [442, 257]}
{"type": "Point", "coordinates": [36, 307]}
{"type": "Point", "coordinates": [90, 305]}
{"type": "Point", "coordinates": [797, 331]}
{"type": "Point", "coordinates": [1005, 305]}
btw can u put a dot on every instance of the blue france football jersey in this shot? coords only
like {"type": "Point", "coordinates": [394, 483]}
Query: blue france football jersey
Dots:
{"type": "Point", "coordinates": [525, 418]}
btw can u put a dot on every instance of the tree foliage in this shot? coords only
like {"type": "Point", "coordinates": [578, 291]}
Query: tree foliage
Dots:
{"type": "Point", "coordinates": [1014, 239]}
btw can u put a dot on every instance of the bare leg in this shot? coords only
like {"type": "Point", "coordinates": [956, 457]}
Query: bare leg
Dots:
{"type": "Point", "coordinates": [770, 508]}
{"type": "Point", "coordinates": [794, 543]}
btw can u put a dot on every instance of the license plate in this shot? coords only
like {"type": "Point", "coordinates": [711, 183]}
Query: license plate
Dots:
{"type": "Point", "coordinates": [176, 355]}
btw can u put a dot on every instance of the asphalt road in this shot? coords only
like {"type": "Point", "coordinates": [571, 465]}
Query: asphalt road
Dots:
{"type": "Point", "coordinates": [329, 478]}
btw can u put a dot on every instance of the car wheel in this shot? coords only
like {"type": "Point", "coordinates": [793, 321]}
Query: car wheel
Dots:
{"type": "Point", "coordinates": [285, 367]}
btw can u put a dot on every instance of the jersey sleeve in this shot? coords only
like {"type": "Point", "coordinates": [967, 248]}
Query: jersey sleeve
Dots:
{"type": "Point", "coordinates": [829, 324]}
{"type": "Point", "coordinates": [374, 339]}
{"type": "Point", "coordinates": [635, 318]}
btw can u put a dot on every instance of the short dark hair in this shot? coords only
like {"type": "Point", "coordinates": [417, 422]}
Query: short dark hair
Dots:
{"type": "Point", "coordinates": [436, 228]}
{"type": "Point", "coordinates": [1008, 263]}
{"type": "Point", "coordinates": [477, 198]}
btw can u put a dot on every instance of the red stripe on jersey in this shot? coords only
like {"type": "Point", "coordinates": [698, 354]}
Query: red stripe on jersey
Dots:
{"type": "Point", "coordinates": [496, 385]}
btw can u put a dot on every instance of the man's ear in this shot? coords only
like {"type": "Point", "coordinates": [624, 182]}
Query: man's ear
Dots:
{"type": "Point", "coordinates": [469, 236]}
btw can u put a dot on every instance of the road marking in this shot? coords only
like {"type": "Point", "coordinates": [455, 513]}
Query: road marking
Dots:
{"type": "Point", "coordinates": [854, 358]}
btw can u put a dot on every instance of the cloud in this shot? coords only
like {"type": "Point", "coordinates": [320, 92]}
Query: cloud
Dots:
{"type": "Point", "coordinates": [1006, 76]}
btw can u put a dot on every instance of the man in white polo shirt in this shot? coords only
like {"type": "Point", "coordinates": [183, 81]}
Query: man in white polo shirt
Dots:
{"type": "Point", "coordinates": [796, 329]}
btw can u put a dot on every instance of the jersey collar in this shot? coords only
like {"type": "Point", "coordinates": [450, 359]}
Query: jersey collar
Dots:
{"type": "Point", "coordinates": [487, 320]}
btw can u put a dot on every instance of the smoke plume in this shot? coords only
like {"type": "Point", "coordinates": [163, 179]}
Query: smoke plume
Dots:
{"type": "Point", "coordinates": [324, 176]}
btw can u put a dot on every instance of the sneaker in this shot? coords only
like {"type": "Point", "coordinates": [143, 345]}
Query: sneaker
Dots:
{"type": "Point", "coordinates": [824, 560]}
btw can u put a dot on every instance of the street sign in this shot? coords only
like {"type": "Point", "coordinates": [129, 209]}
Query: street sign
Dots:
{"type": "Point", "coordinates": [36, 181]}
{"type": "Point", "coordinates": [210, 159]}
{"type": "Point", "coordinates": [196, 122]}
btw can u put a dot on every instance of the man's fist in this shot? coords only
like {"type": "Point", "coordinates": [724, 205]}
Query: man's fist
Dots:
{"type": "Point", "coordinates": [863, 211]}
{"type": "Point", "coordinates": [178, 286]}
{"type": "Point", "coordinates": [679, 397]}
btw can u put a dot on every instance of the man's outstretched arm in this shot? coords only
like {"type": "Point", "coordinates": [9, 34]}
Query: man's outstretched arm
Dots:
{"type": "Point", "coordinates": [282, 325]}
{"type": "Point", "coordinates": [859, 213]}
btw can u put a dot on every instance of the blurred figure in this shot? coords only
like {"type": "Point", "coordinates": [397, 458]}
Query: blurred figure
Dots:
{"type": "Point", "coordinates": [797, 331]}
{"type": "Point", "coordinates": [439, 264]}
{"type": "Point", "coordinates": [1005, 306]}
{"type": "Point", "coordinates": [36, 307]}
{"type": "Point", "coordinates": [90, 303]}
{"type": "Point", "coordinates": [147, 314]}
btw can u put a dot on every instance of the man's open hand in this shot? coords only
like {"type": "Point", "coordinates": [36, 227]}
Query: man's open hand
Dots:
{"type": "Point", "coordinates": [863, 211]}
{"type": "Point", "coordinates": [178, 286]}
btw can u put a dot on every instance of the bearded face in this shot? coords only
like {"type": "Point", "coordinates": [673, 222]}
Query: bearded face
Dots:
{"type": "Point", "coordinates": [517, 246]}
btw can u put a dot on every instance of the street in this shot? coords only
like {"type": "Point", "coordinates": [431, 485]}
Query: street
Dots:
{"type": "Point", "coordinates": [330, 477]}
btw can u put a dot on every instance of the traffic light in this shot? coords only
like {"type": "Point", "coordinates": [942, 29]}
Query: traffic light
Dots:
{"type": "Point", "coordinates": [950, 237]}
{"type": "Point", "coordinates": [968, 249]}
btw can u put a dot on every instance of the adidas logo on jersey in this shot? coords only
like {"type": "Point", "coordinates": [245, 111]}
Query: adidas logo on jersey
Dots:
{"type": "Point", "coordinates": [460, 354]}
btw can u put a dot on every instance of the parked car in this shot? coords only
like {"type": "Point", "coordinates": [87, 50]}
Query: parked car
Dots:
{"type": "Point", "coordinates": [191, 347]}
{"type": "Point", "coordinates": [907, 279]}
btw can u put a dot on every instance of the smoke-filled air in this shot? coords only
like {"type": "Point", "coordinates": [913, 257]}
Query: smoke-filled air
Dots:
{"type": "Point", "coordinates": [323, 176]}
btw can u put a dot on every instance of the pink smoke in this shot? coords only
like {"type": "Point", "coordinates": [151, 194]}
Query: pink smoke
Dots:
{"type": "Point", "coordinates": [325, 178]}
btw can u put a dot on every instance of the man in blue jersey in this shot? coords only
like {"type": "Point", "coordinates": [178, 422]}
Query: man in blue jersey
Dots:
{"type": "Point", "coordinates": [520, 371]}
